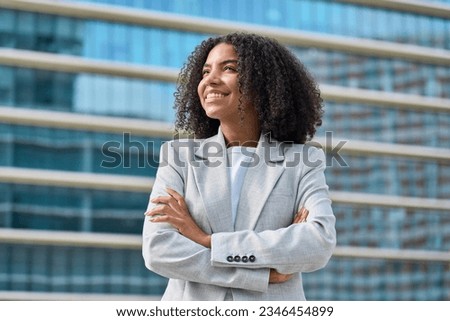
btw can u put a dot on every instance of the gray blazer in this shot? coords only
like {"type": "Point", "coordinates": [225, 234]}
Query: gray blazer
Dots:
{"type": "Point", "coordinates": [280, 180]}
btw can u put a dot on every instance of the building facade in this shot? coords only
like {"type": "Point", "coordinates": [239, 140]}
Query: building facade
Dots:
{"type": "Point", "coordinates": [86, 100]}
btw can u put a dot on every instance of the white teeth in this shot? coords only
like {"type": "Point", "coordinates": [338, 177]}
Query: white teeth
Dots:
{"type": "Point", "coordinates": [214, 95]}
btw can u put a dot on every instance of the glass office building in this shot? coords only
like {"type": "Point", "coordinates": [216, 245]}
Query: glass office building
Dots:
{"type": "Point", "coordinates": [68, 186]}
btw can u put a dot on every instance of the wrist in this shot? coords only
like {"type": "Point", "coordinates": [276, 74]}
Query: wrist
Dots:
{"type": "Point", "coordinates": [207, 241]}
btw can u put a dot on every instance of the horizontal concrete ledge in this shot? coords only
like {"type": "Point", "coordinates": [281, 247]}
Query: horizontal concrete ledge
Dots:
{"type": "Point", "coordinates": [432, 9]}
{"type": "Point", "coordinates": [187, 23]}
{"type": "Point", "coordinates": [384, 99]}
{"type": "Point", "coordinates": [67, 296]}
{"type": "Point", "coordinates": [39, 177]}
{"type": "Point", "coordinates": [392, 201]}
{"type": "Point", "coordinates": [68, 179]}
{"type": "Point", "coordinates": [74, 64]}
{"type": "Point", "coordinates": [134, 242]}
{"type": "Point", "coordinates": [391, 254]}
{"type": "Point", "coordinates": [365, 148]}
{"type": "Point", "coordinates": [95, 123]}
{"type": "Point", "coordinates": [64, 238]}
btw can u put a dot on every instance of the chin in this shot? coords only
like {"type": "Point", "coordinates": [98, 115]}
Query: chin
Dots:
{"type": "Point", "coordinates": [212, 113]}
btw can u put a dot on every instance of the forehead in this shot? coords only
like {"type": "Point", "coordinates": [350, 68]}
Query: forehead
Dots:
{"type": "Point", "coordinates": [221, 52]}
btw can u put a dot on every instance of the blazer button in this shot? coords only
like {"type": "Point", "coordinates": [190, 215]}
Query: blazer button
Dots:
{"type": "Point", "coordinates": [230, 258]}
{"type": "Point", "coordinates": [237, 258]}
{"type": "Point", "coordinates": [245, 259]}
{"type": "Point", "coordinates": [252, 258]}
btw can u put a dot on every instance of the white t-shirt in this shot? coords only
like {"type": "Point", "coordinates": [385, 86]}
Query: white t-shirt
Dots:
{"type": "Point", "coordinates": [238, 157]}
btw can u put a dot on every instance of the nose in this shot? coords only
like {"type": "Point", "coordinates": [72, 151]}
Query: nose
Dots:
{"type": "Point", "coordinates": [212, 78]}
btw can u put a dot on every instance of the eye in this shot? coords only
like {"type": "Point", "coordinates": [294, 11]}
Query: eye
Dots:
{"type": "Point", "coordinates": [230, 68]}
{"type": "Point", "coordinates": [205, 72]}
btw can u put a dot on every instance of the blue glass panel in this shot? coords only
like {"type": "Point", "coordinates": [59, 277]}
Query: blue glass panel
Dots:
{"type": "Point", "coordinates": [81, 270]}
{"type": "Point", "coordinates": [57, 149]}
{"type": "Point", "coordinates": [378, 280]}
{"type": "Point", "coordinates": [4, 266]}
{"type": "Point", "coordinates": [395, 228]}
{"type": "Point", "coordinates": [393, 176]}
{"type": "Point", "coordinates": [72, 209]}
{"type": "Point", "coordinates": [7, 29]}
{"type": "Point", "coordinates": [48, 157]}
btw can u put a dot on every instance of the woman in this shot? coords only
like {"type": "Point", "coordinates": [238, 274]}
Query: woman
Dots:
{"type": "Point", "coordinates": [241, 210]}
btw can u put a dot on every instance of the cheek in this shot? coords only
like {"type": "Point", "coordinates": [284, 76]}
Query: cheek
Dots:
{"type": "Point", "coordinates": [234, 86]}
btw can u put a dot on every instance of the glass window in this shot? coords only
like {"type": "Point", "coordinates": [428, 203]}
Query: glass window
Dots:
{"type": "Point", "coordinates": [7, 31]}
{"type": "Point", "coordinates": [57, 149]}
{"type": "Point", "coordinates": [72, 209]}
{"type": "Point", "coordinates": [76, 270]}
{"type": "Point", "coordinates": [379, 280]}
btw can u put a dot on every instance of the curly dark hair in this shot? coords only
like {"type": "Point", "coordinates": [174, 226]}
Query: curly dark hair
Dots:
{"type": "Point", "coordinates": [285, 95]}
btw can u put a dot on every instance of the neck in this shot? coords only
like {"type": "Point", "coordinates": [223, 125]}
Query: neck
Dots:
{"type": "Point", "coordinates": [241, 134]}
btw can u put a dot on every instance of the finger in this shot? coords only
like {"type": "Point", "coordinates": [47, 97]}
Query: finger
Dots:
{"type": "Point", "coordinates": [297, 217]}
{"type": "Point", "coordinates": [175, 222]}
{"type": "Point", "coordinates": [173, 193]}
{"type": "Point", "coordinates": [168, 200]}
{"type": "Point", "coordinates": [161, 199]}
{"type": "Point", "coordinates": [177, 197]}
{"type": "Point", "coordinates": [301, 216]}
{"type": "Point", "coordinates": [164, 219]}
{"type": "Point", "coordinates": [160, 210]}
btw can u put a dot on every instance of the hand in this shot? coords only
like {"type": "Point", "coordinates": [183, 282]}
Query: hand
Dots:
{"type": "Point", "coordinates": [301, 216]}
{"type": "Point", "coordinates": [172, 209]}
{"type": "Point", "coordinates": [276, 277]}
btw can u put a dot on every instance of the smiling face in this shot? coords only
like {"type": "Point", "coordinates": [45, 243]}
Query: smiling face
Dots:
{"type": "Point", "coordinates": [219, 89]}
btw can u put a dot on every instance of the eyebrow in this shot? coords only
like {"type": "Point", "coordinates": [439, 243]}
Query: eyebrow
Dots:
{"type": "Point", "coordinates": [223, 62]}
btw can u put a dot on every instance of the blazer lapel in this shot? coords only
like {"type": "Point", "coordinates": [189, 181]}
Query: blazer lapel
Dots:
{"type": "Point", "coordinates": [259, 182]}
{"type": "Point", "coordinates": [211, 176]}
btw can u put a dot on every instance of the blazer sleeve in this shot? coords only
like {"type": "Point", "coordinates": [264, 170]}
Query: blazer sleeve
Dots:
{"type": "Point", "coordinates": [302, 247]}
{"type": "Point", "coordinates": [170, 254]}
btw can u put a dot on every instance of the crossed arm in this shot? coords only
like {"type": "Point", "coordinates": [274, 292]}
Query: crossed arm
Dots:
{"type": "Point", "coordinates": [172, 209]}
